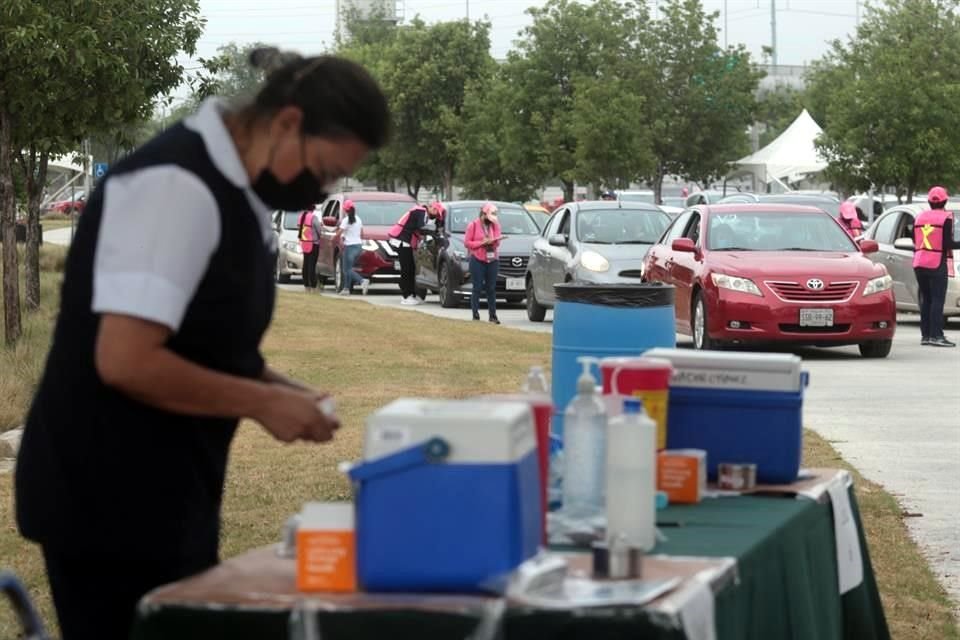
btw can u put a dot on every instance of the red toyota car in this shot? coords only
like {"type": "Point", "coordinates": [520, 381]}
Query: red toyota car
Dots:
{"type": "Point", "coordinates": [378, 211]}
{"type": "Point", "coordinates": [769, 273]}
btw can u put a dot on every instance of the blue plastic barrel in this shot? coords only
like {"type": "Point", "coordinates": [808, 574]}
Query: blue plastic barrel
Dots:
{"type": "Point", "coordinates": [605, 321]}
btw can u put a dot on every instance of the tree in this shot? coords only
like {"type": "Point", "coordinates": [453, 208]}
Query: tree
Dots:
{"type": "Point", "coordinates": [889, 96]}
{"type": "Point", "coordinates": [701, 97]}
{"type": "Point", "coordinates": [498, 158]}
{"type": "Point", "coordinates": [78, 69]}
{"type": "Point", "coordinates": [567, 44]}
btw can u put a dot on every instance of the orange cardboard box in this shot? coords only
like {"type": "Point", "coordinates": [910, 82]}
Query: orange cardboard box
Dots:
{"type": "Point", "coordinates": [682, 474]}
{"type": "Point", "coordinates": [326, 548]}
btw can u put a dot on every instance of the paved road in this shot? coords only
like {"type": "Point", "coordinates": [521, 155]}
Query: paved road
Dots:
{"type": "Point", "coordinates": [897, 420]}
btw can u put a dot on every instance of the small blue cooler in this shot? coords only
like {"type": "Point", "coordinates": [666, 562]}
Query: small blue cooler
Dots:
{"type": "Point", "coordinates": [739, 408]}
{"type": "Point", "coordinates": [448, 495]}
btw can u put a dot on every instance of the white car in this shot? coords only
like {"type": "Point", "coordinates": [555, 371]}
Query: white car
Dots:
{"type": "Point", "coordinates": [289, 253]}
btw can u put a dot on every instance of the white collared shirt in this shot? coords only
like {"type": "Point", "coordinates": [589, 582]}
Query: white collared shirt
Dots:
{"type": "Point", "coordinates": [161, 224]}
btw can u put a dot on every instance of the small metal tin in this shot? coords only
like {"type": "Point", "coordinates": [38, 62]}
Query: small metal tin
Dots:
{"type": "Point", "coordinates": [617, 561]}
{"type": "Point", "coordinates": [736, 477]}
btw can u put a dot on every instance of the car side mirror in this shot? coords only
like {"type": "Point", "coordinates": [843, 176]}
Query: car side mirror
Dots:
{"type": "Point", "coordinates": [329, 221]}
{"type": "Point", "coordinates": [871, 246]}
{"type": "Point", "coordinates": [684, 245]}
{"type": "Point", "coordinates": [557, 240]}
{"type": "Point", "coordinates": [903, 243]}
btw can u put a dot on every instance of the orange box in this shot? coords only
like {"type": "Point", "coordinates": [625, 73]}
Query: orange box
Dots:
{"type": "Point", "coordinates": [682, 474]}
{"type": "Point", "coordinates": [326, 548]}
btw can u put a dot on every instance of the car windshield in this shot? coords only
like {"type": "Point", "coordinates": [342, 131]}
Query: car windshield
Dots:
{"type": "Point", "coordinates": [620, 226]}
{"type": "Point", "coordinates": [291, 220]}
{"type": "Point", "coordinates": [776, 231]}
{"type": "Point", "coordinates": [514, 221]}
{"type": "Point", "coordinates": [381, 213]}
{"type": "Point", "coordinates": [637, 196]}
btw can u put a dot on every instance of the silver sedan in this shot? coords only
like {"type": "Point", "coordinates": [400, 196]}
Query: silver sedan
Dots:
{"type": "Point", "coordinates": [602, 242]}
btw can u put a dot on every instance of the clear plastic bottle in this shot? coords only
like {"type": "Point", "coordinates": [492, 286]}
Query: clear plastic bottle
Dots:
{"type": "Point", "coordinates": [584, 449]}
{"type": "Point", "coordinates": [631, 476]}
{"type": "Point", "coordinates": [535, 382]}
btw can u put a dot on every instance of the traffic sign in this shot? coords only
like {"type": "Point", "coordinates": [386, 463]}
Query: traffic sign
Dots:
{"type": "Point", "coordinates": [100, 169]}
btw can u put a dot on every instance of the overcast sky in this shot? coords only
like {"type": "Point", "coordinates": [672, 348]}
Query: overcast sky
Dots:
{"type": "Point", "coordinates": [803, 26]}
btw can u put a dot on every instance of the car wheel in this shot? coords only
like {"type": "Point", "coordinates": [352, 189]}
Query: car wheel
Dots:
{"type": "Point", "coordinates": [876, 348]}
{"type": "Point", "coordinates": [448, 297]}
{"type": "Point", "coordinates": [701, 337]}
{"type": "Point", "coordinates": [281, 277]}
{"type": "Point", "coordinates": [535, 311]}
{"type": "Point", "coordinates": [337, 273]}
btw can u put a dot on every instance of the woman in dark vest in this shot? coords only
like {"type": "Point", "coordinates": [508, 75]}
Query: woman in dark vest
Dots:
{"type": "Point", "coordinates": [156, 352]}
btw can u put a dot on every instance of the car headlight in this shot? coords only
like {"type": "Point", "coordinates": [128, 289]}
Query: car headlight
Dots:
{"type": "Point", "coordinates": [883, 283]}
{"type": "Point", "coordinates": [733, 283]}
{"type": "Point", "coordinates": [293, 246]}
{"type": "Point", "coordinates": [593, 261]}
{"type": "Point", "coordinates": [459, 254]}
{"type": "Point", "coordinates": [370, 245]}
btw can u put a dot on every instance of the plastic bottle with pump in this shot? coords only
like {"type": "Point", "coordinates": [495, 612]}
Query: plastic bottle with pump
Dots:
{"type": "Point", "coordinates": [535, 382]}
{"type": "Point", "coordinates": [631, 476]}
{"type": "Point", "coordinates": [584, 448]}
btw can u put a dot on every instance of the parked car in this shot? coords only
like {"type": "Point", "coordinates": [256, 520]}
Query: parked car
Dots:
{"type": "Point", "coordinates": [289, 254]}
{"type": "Point", "coordinates": [823, 201]}
{"type": "Point", "coordinates": [704, 197]}
{"type": "Point", "coordinates": [443, 261]}
{"type": "Point", "coordinates": [773, 273]}
{"type": "Point", "coordinates": [378, 210]}
{"type": "Point", "coordinates": [670, 206]}
{"type": "Point", "coordinates": [598, 241]}
{"type": "Point", "coordinates": [893, 232]}
{"type": "Point", "coordinates": [69, 205]}
{"type": "Point", "coordinates": [539, 213]}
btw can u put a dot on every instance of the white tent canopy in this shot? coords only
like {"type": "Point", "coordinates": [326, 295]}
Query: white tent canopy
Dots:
{"type": "Point", "coordinates": [788, 158]}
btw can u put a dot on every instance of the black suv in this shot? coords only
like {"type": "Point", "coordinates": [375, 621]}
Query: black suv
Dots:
{"type": "Point", "coordinates": [443, 261]}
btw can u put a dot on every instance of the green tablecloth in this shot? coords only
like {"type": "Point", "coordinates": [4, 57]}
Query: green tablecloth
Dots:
{"type": "Point", "coordinates": [787, 590]}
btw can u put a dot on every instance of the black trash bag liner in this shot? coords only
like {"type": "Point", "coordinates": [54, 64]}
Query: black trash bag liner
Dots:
{"type": "Point", "coordinates": [647, 294]}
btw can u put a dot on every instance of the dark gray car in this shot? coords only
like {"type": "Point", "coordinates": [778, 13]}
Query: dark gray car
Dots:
{"type": "Point", "coordinates": [602, 242]}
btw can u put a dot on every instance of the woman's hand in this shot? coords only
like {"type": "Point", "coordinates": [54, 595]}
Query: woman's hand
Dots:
{"type": "Point", "coordinates": [295, 414]}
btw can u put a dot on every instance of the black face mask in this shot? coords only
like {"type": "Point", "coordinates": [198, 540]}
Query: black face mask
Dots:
{"type": "Point", "coordinates": [302, 193]}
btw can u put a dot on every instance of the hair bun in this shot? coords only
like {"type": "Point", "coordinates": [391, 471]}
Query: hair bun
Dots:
{"type": "Point", "coordinates": [270, 59]}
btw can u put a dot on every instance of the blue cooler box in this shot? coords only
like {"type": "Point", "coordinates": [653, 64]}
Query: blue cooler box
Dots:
{"type": "Point", "coordinates": [739, 408]}
{"type": "Point", "coordinates": [448, 495]}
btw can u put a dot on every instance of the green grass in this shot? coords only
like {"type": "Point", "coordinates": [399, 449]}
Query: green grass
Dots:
{"type": "Point", "coordinates": [367, 356]}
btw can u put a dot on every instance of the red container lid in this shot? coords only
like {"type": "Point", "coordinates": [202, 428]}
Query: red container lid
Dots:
{"type": "Point", "coordinates": [635, 374]}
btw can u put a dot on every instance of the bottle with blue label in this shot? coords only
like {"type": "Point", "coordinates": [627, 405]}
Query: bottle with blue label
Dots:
{"type": "Point", "coordinates": [584, 448]}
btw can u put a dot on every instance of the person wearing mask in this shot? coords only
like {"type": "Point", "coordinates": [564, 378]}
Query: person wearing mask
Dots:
{"type": "Point", "coordinates": [933, 243]}
{"type": "Point", "coordinates": [850, 220]}
{"type": "Point", "coordinates": [351, 230]}
{"type": "Point", "coordinates": [156, 351]}
{"type": "Point", "coordinates": [483, 239]}
{"type": "Point", "coordinates": [404, 237]}
{"type": "Point", "coordinates": [309, 225]}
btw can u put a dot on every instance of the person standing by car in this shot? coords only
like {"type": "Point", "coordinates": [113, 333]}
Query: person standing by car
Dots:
{"type": "Point", "coordinates": [351, 230]}
{"type": "Point", "coordinates": [483, 238]}
{"type": "Point", "coordinates": [309, 234]}
{"type": "Point", "coordinates": [850, 219]}
{"type": "Point", "coordinates": [404, 237]}
{"type": "Point", "coordinates": [933, 244]}
{"type": "Point", "coordinates": [156, 351]}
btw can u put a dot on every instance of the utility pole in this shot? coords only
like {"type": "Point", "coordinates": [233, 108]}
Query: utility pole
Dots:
{"type": "Point", "coordinates": [726, 28]}
{"type": "Point", "coordinates": [468, 10]}
{"type": "Point", "coordinates": [773, 31]}
{"type": "Point", "coordinates": [858, 13]}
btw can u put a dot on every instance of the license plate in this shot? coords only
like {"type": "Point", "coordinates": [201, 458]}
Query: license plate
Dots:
{"type": "Point", "coordinates": [816, 317]}
{"type": "Point", "coordinates": [516, 284]}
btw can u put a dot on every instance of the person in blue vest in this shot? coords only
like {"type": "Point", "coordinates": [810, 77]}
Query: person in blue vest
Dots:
{"type": "Point", "coordinates": [156, 355]}
{"type": "Point", "coordinates": [933, 244]}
